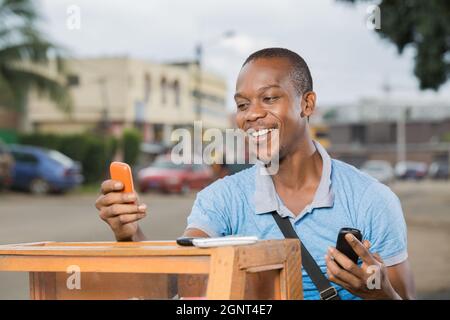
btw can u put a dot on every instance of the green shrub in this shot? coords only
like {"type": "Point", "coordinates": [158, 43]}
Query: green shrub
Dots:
{"type": "Point", "coordinates": [8, 136]}
{"type": "Point", "coordinates": [93, 152]}
{"type": "Point", "coordinates": [446, 137]}
{"type": "Point", "coordinates": [131, 141]}
{"type": "Point", "coordinates": [50, 141]}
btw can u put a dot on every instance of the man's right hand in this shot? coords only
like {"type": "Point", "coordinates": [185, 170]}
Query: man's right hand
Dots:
{"type": "Point", "coordinates": [121, 211]}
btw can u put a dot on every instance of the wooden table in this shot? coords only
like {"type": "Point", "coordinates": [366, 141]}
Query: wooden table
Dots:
{"type": "Point", "coordinates": [157, 270]}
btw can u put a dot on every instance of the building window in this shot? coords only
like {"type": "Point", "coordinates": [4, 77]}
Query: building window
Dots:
{"type": "Point", "coordinates": [176, 90]}
{"type": "Point", "coordinates": [392, 132]}
{"type": "Point", "coordinates": [163, 90]}
{"type": "Point", "coordinates": [158, 132]}
{"type": "Point", "coordinates": [130, 81]}
{"type": "Point", "coordinates": [73, 80]}
{"type": "Point", "coordinates": [358, 133]}
{"type": "Point", "coordinates": [147, 88]}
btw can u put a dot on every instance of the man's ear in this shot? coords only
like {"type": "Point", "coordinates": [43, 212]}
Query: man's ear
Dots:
{"type": "Point", "coordinates": [308, 104]}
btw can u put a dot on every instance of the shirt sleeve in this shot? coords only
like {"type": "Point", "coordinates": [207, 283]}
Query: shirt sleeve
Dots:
{"type": "Point", "coordinates": [385, 224]}
{"type": "Point", "coordinates": [209, 212]}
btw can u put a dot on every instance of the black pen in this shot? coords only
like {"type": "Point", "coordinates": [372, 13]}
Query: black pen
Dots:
{"type": "Point", "coordinates": [185, 241]}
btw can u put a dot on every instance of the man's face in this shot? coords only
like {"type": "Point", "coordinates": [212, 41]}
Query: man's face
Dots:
{"type": "Point", "coordinates": [266, 99]}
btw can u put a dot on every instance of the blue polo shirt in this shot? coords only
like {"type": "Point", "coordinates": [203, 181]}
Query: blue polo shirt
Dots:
{"type": "Point", "coordinates": [346, 197]}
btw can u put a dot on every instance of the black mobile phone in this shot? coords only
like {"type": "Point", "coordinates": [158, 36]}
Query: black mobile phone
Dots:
{"type": "Point", "coordinates": [343, 246]}
{"type": "Point", "coordinates": [185, 241]}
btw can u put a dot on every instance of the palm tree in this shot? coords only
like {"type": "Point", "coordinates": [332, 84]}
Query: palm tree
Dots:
{"type": "Point", "coordinates": [25, 54]}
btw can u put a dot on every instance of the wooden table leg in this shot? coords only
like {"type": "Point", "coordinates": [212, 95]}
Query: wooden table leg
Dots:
{"type": "Point", "coordinates": [42, 285]}
{"type": "Point", "coordinates": [291, 274]}
{"type": "Point", "coordinates": [226, 280]}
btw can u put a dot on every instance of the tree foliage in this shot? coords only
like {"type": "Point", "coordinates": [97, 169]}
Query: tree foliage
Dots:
{"type": "Point", "coordinates": [425, 26]}
{"type": "Point", "coordinates": [131, 142]}
{"type": "Point", "coordinates": [23, 49]}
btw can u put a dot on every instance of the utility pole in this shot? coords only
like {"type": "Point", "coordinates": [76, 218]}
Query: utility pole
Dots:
{"type": "Point", "coordinates": [401, 135]}
{"type": "Point", "coordinates": [400, 123]}
{"type": "Point", "coordinates": [198, 81]}
{"type": "Point", "coordinates": [198, 78]}
{"type": "Point", "coordinates": [448, 161]}
{"type": "Point", "coordinates": [104, 120]}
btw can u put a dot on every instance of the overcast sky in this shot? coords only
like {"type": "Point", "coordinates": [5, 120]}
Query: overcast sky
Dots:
{"type": "Point", "coordinates": [347, 60]}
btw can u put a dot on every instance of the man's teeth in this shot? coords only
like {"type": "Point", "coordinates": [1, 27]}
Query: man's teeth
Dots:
{"type": "Point", "coordinates": [260, 132]}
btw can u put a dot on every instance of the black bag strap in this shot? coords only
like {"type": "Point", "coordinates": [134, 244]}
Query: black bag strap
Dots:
{"type": "Point", "coordinates": [326, 290]}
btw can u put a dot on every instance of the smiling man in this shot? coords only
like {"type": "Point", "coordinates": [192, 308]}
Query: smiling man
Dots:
{"type": "Point", "coordinates": [319, 195]}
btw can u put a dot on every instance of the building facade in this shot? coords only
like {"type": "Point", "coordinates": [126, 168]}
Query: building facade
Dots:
{"type": "Point", "coordinates": [370, 130]}
{"type": "Point", "coordinates": [119, 92]}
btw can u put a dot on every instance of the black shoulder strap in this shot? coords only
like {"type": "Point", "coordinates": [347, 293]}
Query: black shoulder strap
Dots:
{"type": "Point", "coordinates": [326, 290]}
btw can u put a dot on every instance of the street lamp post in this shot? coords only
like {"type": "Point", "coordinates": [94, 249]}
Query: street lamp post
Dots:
{"type": "Point", "coordinates": [104, 118]}
{"type": "Point", "coordinates": [198, 81]}
{"type": "Point", "coordinates": [198, 61]}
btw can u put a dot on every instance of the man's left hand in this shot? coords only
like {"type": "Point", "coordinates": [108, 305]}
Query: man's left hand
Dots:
{"type": "Point", "coordinates": [368, 281]}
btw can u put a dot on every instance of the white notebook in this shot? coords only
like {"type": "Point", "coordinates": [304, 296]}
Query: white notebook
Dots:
{"type": "Point", "coordinates": [224, 241]}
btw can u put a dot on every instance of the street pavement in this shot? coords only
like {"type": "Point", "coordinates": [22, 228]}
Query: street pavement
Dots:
{"type": "Point", "coordinates": [73, 217]}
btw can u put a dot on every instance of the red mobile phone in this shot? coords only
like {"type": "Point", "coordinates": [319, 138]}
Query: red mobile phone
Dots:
{"type": "Point", "coordinates": [122, 172]}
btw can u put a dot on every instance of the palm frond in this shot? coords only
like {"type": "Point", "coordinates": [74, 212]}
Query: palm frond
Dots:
{"type": "Point", "coordinates": [22, 79]}
{"type": "Point", "coordinates": [24, 53]}
{"type": "Point", "coordinates": [6, 94]}
{"type": "Point", "coordinates": [24, 9]}
{"type": "Point", "coordinates": [36, 52]}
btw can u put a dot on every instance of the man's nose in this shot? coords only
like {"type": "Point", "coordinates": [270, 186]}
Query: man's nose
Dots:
{"type": "Point", "coordinates": [254, 112]}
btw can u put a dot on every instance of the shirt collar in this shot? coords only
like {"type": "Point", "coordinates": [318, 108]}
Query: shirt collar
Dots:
{"type": "Point", "coordinates": [266, 198]}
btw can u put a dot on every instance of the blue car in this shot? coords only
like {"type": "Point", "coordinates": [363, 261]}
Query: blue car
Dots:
{"type": "Point", "coordinates": [42, 171]}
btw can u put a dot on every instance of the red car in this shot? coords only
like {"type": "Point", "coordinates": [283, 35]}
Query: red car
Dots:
{"type": "Point", "coordinates": [164, 175]}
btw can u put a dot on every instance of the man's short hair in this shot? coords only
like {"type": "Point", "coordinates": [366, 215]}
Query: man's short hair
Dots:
{"type": "Point", "coordinates": [300, 74]}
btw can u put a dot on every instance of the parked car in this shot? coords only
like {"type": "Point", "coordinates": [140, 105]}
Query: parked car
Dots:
{"type": "Point", "coordinates": [6, 166]}
{"type": "Point", "coordinates": [166, 176]}
{"type": "Point", "coordinates": [379, 169]}
{"type": "Point", "coordinates": [411, 170]}
{"type": "Point", "coordinates": [439, 170]}
{"type": "Point", "coordinates": [42, 171]}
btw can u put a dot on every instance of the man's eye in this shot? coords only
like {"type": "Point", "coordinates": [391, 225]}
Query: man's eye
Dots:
{"type": "Point", "coordinates": [242, 105]}
{"type": "Point", "coordinates": [270, 99]}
